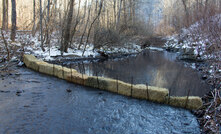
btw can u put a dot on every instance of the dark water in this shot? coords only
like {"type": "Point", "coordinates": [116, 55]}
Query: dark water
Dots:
{"type": "Point", "coordinates": [153, 67]}
{"type": "Point", "coordinates": [45, 107]}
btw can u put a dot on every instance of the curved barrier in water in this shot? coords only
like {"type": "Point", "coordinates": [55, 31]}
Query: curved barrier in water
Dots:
{"type": "Point", "coordinates": [155, 94]}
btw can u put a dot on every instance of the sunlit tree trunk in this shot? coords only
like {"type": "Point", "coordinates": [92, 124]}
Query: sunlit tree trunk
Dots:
{"type": "Point", "coordinates": [4, 14]}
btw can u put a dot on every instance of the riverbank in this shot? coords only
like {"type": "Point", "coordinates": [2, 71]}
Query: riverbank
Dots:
{"type": "Point", "coordinates": [208, 64]}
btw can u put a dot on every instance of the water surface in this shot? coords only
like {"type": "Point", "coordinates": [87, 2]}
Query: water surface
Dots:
{"type": "Point", "coordinates": [155, 68]}
{"type": "Point", "coordinates": [44, 107]}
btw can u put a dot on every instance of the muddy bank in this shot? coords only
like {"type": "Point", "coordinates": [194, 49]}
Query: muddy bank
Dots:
{"type": "Point", "coordinates": [44, 106]}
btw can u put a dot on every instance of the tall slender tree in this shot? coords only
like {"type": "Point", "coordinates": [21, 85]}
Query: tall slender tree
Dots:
{"type": "Point", "coordinates": [186, 11]}
{"type": "Point", "coordinates": [67, 30]}
{"type": "Point", "coordinates": [86, 25]}
{"type": "Point", "coordinates": [48, 22]}
{"type": "Point", "coordinates": [5, 14]}
{"type": "Point", "coordinates": [118, 18]}
{"type": "Point", "coordinates": [34, 20]}
{"type": "Point", "coordinates": [89, 31]}
{"type": "Point", "coordinates": [13, 19]}
{"type": "Point", "coordinates": [41, 25]}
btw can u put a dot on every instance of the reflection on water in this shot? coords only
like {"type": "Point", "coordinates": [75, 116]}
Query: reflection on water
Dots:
{"type": "Point", "coordinates": [45, 107]}
{"type": "Point", "coordinates": [155, 68]}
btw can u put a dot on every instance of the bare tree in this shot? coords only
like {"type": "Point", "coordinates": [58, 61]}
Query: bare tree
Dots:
{"type": "Point", "coordinates": [125, 12]}
{"type": "Point", "coordinates": [118, 18]}
{"type": "Point", "coordinates": [67, 30]}
{"type": "Point", "coordinates": [86, 25]}
{"type": "Point", "coordinates": [41, 25]}
{"type": "Point", "coordinates": [115, 14]}
{"type": "Point", "coordinates": [13, 28]}
{"type": "Point", "coordinates": [206, 8]}
{"type": "Point", "coordinates": [34, 16]}
{"type": "Point", "coordinates": [98, 15]}
{"type": "Point", "coordinates": [76, 22]}
{"type": "Point", "coordinates": [5, 14]}
{"type": "Point", "coordinates": [186, 11]}
{"type": "Point", "coordinates": [48, 23]}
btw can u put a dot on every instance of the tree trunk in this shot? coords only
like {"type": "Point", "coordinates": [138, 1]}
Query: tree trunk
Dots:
{"type": "Point", "coordinates": [4, 14]}
{"type": "Point", "coordinates": [41, 27]}
{"type": "Point", "coordinates": [186, 11]}
{"type": "Point", "coordinates": [48, 23]}
{"type": "Point", "coordinates": [115, 15]}
{"type": "Point", "coordinates": [13, 17]}
{"type": "Point", "coordinates": [34, 21]}
{"type": "Point", "coordinates": [125, 13]}
{"type": "Point", "coordinates": [67, 30]}
{"type": "Point", "coordinates": [108, 19]}
{"type": "Point", "coordinates": [98, 15]}
{"type": "Point", "coordinates": [133, 12]}
{"type": "Point", "coordinates": [85, 28]}
{"type": "Point", "coordinates": [118, 18]}
{"type": "Point", "coordinates": [205, 10]}
{"type": "Point", "coordinates": [76, 22]}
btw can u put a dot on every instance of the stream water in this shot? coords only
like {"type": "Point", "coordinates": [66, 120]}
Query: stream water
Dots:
{"type": "Point", "coordinates": [156, 68]}
{"type": "Point", "coordinates": [31, 102]}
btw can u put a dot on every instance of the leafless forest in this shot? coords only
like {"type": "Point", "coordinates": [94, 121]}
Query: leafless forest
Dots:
{"type": "Point", "coordinates": [87, 28]}
{"type": "Point", "coordinates": [104, 22]}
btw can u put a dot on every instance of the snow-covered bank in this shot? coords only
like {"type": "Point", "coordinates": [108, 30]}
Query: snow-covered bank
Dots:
{"type": "Point", "coordinates": [27, 44]}
{"type": "Point", "coordinates": [201, 41]}
{"type": "Point", "coordinates": [53, 52]}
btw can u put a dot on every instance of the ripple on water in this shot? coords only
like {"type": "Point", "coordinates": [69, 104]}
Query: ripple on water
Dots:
{"type": "Point", "coordinates": [84, 110]}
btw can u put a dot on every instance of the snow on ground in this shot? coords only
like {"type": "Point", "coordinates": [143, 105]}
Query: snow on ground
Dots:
{"type": "Point", "coordinates": [54, 51]}
{"type": "Point", "coordinates": [51, 53]}
{"type": "Point", "coordinates": [203, 37]}
{"type": "Point", "coordinates": [156, 48]}
{"type": "Point", "coordinates": [201, 40]}
{"type": "Point", "coordinates": [32, 45]}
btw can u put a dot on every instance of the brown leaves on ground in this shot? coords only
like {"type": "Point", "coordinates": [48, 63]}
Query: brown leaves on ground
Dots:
{"type": "Point", "coordinates": [209, 116]}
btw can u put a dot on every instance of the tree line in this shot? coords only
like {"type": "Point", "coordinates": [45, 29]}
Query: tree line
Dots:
{"type": "Point", "coordinates": [104, 22]}
{"type": "Point", "coordinates": [70, 18]}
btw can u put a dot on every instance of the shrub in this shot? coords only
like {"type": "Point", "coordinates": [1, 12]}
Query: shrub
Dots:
{"type": "Point", "coordinates": [105, 37]}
